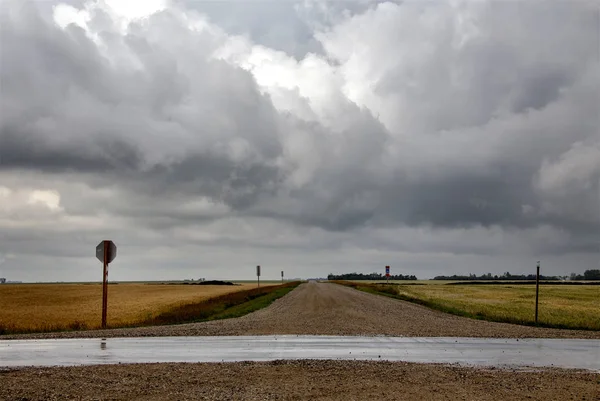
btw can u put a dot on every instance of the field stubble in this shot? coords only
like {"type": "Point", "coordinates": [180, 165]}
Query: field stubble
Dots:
{"type": "Point", "coordinates": [56, 307]}
{"type": "Point", "coordinates": [560, 306]}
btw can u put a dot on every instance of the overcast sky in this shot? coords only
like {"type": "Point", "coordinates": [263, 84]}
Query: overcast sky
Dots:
{"type": "Point", "coordinates": [204, 138]}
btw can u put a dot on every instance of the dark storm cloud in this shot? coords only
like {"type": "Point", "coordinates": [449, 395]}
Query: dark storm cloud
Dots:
{"type": "Point", "coordinates": [539, 91]}
{"type": "Point", "coordinates": [41, 63]}
{"type": "Point", "coordinates": [224, 180]}
{"type": "Point", "coordinates": [20, 149]}
{"type": "Point", "coordinates": [54, 63]}
{"type": "Point", "coordinates": [410, 115]}
{"type": "Point", "coordinates": [38, 133]}
{"type": "Point", "coordinates": [460, 201]}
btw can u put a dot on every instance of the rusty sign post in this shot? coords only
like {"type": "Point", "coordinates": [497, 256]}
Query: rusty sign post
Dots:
{"type": "Point", "coordinates": [258, 275]}
{"type": "Point", "coordinates": [282, 277]}
{"type": "Point", "coordinates": [106, 252]}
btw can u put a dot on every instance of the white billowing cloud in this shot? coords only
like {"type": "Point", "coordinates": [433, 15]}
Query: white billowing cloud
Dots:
{"type": "Point", "coordinates": [121, 12]}
{"type": "Point", "coordinates": [416, 128]}
{"type": "Point", "coordinates": [132, 9]}
{"type": "Point", "coordinates": [17, 200]}
{"type": "Point", "coordinates": [65, 14]}
{"type": "Point", "coordinates": [49, 199]}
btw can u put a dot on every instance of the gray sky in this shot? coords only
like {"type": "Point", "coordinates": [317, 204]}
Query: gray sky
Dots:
{"type": "Point", "coordinates": [205, 138]}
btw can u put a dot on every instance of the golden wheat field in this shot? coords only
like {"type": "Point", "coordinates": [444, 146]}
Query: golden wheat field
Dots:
{"type": "Point", "coordinates": [44, 307]}
{"type": "Point", "coordinates": [568, 306]}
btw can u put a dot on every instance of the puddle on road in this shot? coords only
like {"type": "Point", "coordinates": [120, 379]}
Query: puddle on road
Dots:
{"type": "Point", "coordinates": [487, 352]}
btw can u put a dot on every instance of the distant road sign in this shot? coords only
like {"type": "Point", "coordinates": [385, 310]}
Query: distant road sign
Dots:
{"type": "Point", "coordinates": [257, 271]}
{"type": "Point", "coordinates": [111, 252]}
{"type": "Point", "coordinates": [387, 271]}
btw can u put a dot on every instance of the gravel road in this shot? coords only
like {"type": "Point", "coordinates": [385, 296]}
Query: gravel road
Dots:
{"type": "Point", "coordinates": [293, 380]}
{"type": "Point", "coordinates": [322, 308]}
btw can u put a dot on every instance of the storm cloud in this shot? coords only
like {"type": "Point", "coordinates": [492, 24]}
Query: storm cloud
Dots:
{"type": "Point", "coordinates": [441, 137]}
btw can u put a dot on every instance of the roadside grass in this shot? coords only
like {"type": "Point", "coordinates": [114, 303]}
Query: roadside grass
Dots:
{"type": "Point", "coordinates": [31, 308]}
{"type": "Point", "coordinates": [222, 307]}
{"type": "Point", "coordinates": [560, 306]}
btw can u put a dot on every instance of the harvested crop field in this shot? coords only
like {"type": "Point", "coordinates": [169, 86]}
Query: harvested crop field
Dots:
{"type": "Point", "coordinates": [307, 379]}
{"type": "Point", "coordinates": [52, 307]}
{"type": "Point", "coordinates": [319, 308]}
{"type": "Point", "coordinates": [562, 306]}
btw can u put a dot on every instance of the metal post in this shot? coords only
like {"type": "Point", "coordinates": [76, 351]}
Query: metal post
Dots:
{"type": "Point", "coordinates": [105, 285]}
{"type": "Point", "coordinates": [537, 290]}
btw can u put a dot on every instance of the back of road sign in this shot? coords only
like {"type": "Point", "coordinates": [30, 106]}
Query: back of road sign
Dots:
{"type": "Point", "coordinates": [111, 252]}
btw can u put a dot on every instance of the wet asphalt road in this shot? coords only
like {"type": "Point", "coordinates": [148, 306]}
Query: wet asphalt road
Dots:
{"type": "Point", "coordinates": [564, 353]}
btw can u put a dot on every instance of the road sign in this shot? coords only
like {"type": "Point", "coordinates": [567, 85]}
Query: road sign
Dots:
{"type": "Point", "coordinates": [111, 251]}
{"type": "Point", "coordinates": [387, 271]}
{"type": "Point", "coordinates": [106, 252]}
{"type": "Point", "coordinates": [257, 271]}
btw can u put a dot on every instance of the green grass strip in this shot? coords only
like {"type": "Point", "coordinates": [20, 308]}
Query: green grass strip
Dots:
{"type": "Point", "coordinates": [225, 306]}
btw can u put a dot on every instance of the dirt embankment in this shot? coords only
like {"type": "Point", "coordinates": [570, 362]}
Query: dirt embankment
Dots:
{"type": "Point", "coordinates": [320, 308]}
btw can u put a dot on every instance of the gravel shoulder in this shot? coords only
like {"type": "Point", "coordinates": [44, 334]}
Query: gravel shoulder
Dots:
{"type": "Point", "coordinates": [330, 309]}
{"type": "Point", "coordinates": [295, 380]}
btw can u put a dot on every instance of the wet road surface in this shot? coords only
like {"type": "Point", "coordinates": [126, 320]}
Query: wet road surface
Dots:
{"type": "Point", "coordinates": [564, 353]}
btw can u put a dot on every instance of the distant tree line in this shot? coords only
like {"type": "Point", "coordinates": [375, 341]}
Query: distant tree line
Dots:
{"type": "Point", "coordinates": [370, 276]}
{"type": "Point", "coordinates": [588, 275]}
{"type": "Point", "coordinates": [488, 276]}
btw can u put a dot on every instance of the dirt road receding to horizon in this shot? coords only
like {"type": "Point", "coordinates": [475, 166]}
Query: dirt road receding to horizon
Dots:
{"type": "Point", "coordinates": [322, 308]}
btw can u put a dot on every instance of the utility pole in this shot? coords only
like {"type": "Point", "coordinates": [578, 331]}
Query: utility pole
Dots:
{"type": "Point", "coordinates": [537, 290]}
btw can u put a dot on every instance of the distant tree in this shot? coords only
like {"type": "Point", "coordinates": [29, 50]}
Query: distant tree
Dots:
{"type": "Point", "coordinates": [370, 276]}
{"type": "Point", "coordinates": [591, 274]}
{"type": "Point", "coordinates": [575, 276]}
